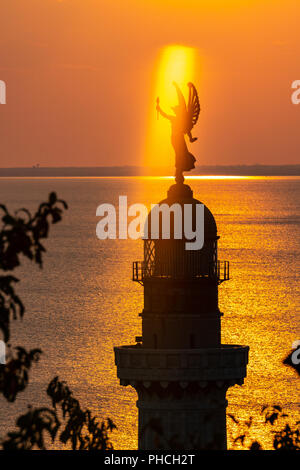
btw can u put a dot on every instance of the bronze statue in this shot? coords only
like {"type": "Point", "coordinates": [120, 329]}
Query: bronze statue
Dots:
{"type": "Point", "coordinates": [182, 123]}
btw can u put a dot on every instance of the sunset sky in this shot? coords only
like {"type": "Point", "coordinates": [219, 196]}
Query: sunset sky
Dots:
{"type": "Point", "coordinates": [82, 78]}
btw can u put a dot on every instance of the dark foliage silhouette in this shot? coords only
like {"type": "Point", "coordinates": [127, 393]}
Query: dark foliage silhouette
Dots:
{"type": "Point", "coordinates": [20, 235]}
{"type": "Point", "coordinates": [14, 375]}
{"type": "Point", "coordinates": [73, 426]}
{"type": "Point", "coordinates": [285, 436]}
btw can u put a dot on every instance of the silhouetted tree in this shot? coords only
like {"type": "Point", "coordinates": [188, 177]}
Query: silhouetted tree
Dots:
{"type": "Point", "coordinates": [20, 235]}
{"type": "Point", "coordinates": [285, 436]}
{"type": "Point", "coordinates": [80, 430]}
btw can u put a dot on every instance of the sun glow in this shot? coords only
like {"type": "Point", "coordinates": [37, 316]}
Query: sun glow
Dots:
{"type": "Point", "coordinates": [175, 63]}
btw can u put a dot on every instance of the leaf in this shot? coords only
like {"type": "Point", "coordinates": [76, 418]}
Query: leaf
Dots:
{"type": "Point", "coordinates": [255, 446]}
{"type": "Point", "coordinates": [233, 418]}
{"type": "Point", "coordinates": [271, 418]}
{"type": "Point", "coordinates": [52, 198]}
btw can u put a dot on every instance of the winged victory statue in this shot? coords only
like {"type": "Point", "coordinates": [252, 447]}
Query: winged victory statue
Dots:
{"type": "Point", "coordinates": [182, 123]}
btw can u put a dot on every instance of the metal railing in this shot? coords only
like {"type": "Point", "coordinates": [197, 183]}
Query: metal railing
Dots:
{"type": "Point", "coordinates": [218, 271]}
{"type": "Point", "coordinates": [223, 271]}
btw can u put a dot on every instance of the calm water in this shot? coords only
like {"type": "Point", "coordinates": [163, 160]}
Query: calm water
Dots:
{"type": "Point", "coordinates": [83, 302]}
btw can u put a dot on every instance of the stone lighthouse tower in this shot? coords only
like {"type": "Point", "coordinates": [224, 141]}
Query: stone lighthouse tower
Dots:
{"type": "Point", "coordinates": [179, 367]}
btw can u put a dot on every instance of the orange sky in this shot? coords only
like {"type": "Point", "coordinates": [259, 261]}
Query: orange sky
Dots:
{"type": "Point", "coordinates": [80, 76]}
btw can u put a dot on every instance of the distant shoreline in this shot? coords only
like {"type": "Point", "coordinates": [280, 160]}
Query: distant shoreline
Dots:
{"type": "Point", "coordinates": [217, 170]}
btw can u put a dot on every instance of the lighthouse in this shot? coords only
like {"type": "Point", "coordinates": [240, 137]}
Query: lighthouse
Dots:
{"type": "Point", "coordinates": [179, 367]}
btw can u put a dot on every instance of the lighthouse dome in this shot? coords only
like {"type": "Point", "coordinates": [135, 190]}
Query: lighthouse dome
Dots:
{"type": "Point", "coordinates": [180, 238]}
{"type": "Point", "coordinates": [179, 195]}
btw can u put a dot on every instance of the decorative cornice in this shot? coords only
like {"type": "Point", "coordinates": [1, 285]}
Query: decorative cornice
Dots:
{"type": "Point", "coordinates": [137, 364]}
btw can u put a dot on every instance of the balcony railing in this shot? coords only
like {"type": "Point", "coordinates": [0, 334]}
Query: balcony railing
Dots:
{"type": "Point", "coordinates": [218, 271]}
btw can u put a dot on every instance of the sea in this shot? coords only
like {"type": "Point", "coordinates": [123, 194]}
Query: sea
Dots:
{"type": "Point", "coordinates": [83, 302]}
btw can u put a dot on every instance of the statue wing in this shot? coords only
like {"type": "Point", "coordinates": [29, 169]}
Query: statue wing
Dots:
{"type": "Point", "coordinates": [193, 109]}
{"type": "Point", "coordinates": [181, 100]}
